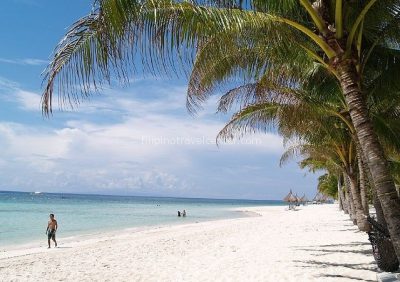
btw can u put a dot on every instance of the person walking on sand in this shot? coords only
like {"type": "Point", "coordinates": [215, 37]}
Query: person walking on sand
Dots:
{"type": "Point", "coordinates": [51, 230]}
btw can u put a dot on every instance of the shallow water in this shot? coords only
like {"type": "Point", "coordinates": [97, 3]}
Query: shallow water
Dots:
{"type": "Point", "coordinates": [24, 216]}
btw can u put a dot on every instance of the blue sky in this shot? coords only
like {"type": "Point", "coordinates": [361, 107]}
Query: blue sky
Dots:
{"type": "Point", "coordinates": [134, 140]}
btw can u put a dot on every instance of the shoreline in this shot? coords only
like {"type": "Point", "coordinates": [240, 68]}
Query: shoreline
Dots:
{"type": "Point", "coordinates": [81, 215]}
{"type": "Point", "coordinates": [315, 243]}
{"type": "Point", "coordinates": [38, 245]}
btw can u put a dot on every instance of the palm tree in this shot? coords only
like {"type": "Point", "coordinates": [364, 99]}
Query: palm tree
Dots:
{"type": "Point", "coordinates": [308, 109]}
{"type": "Point", "coordinates": [295, 107]}
{"type": "Point", "coordinates": [277, 39]}
{"type": "Point", "coordinates": [327, 185]}
{"type": "Point", "coordinates": [332, 171]}
{"type": "Point", "coordinates": [333, 147]}
{"type": "Point", "coordinates": [387, 257]}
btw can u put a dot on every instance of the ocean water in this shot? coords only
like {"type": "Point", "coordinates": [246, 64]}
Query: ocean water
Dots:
{"type": "Point", "coordinates": [24, 216]}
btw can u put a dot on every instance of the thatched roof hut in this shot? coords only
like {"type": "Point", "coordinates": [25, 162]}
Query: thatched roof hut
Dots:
{"type": "Point", "coordinates": [321, 198]}
{"type": "Point", "coordinates": [288, 197]}
{"type": "Point", "coordinates": [304, 199]}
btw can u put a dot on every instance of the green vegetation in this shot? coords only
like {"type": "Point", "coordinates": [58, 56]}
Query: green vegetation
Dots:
{"type": "Point", "coordinates": [324, 73]}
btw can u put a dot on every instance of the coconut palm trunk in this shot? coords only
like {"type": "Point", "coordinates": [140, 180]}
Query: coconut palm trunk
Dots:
{"type": "Point", "coordinates": [372, 149]}
{"type": "Point", "coordinates": [385, 247]}
{"type": "Point", "coordinates": [362, 181]}
{"type": "Point", "coordinates": [340, 198]}
{"type": "Point", "coordinates": [386, 250]}
{"type": "Point", "coordinates": [361, 219]}
{"type": "Point", "coordinates": [363, 193]}
{"type": "Point", "coordinates": [350, 202]}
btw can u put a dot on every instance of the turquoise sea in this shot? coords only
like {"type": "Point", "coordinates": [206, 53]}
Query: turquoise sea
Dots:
{"type": "Point", "coordinates": [24, 216]}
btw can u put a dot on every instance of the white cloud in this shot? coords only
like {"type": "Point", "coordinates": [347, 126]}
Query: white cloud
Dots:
{"type": "Point", "coordinates": [72, 158]}
{"type": "Point", "coordinates": [6, 84]}
{"type": "Point", "coordinates": [28, 100]}
{"type": "Point", "coordinates": [139, 141]}
{"type": "Point", "coordinates": [151, 149]}
{"type": "Point", "coordinates": [24, 62]}
{"type": "Point", "coordinates": [11, 91]}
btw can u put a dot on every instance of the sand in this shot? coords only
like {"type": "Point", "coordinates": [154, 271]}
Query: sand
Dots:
{"type": "Point", "coordinates": [315, 243]}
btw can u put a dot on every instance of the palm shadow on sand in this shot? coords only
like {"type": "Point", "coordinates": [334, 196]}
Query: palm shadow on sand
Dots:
{"type": "Point", "coordinates": [331, 249]}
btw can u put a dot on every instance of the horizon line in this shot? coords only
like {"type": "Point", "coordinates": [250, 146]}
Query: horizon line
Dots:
{"type": "Point", "coordinates": [141, 196]}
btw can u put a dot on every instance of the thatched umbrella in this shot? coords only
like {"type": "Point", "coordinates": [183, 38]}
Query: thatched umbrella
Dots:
{"type": "Point", "coordinates": [317, 197]}
{"type": "Point", "coordinates": [288, 197]}
{"type": "Point", "coordinates": [296, 200]}
{"type": "Point", "coordinates": [321, 198]}
{"type": "Point", "coordinates": [303, 199]}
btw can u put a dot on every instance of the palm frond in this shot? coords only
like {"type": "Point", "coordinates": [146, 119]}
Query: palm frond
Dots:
{"type": "Point", "coordinates": [166, 35]}
{"type": "Point", "coordinates": [253, 118]}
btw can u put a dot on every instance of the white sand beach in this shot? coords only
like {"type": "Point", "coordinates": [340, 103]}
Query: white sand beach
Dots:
{"type": "Point", "coordinates": [315, 243]}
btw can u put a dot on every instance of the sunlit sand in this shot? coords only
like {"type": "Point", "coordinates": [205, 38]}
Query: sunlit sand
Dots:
{"type": "Point", "coordinates": [314, 243]}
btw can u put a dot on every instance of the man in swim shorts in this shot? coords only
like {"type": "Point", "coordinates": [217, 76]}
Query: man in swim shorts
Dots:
{"type": "Point", "coordinates": [51, 230]}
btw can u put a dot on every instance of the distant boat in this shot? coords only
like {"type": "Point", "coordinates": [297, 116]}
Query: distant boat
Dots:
{"type": "Point", "coordinates": [37, 192]}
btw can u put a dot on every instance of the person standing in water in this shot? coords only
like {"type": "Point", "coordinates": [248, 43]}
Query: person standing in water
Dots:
{"type": "Point", "coordinates": [51, 230]}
